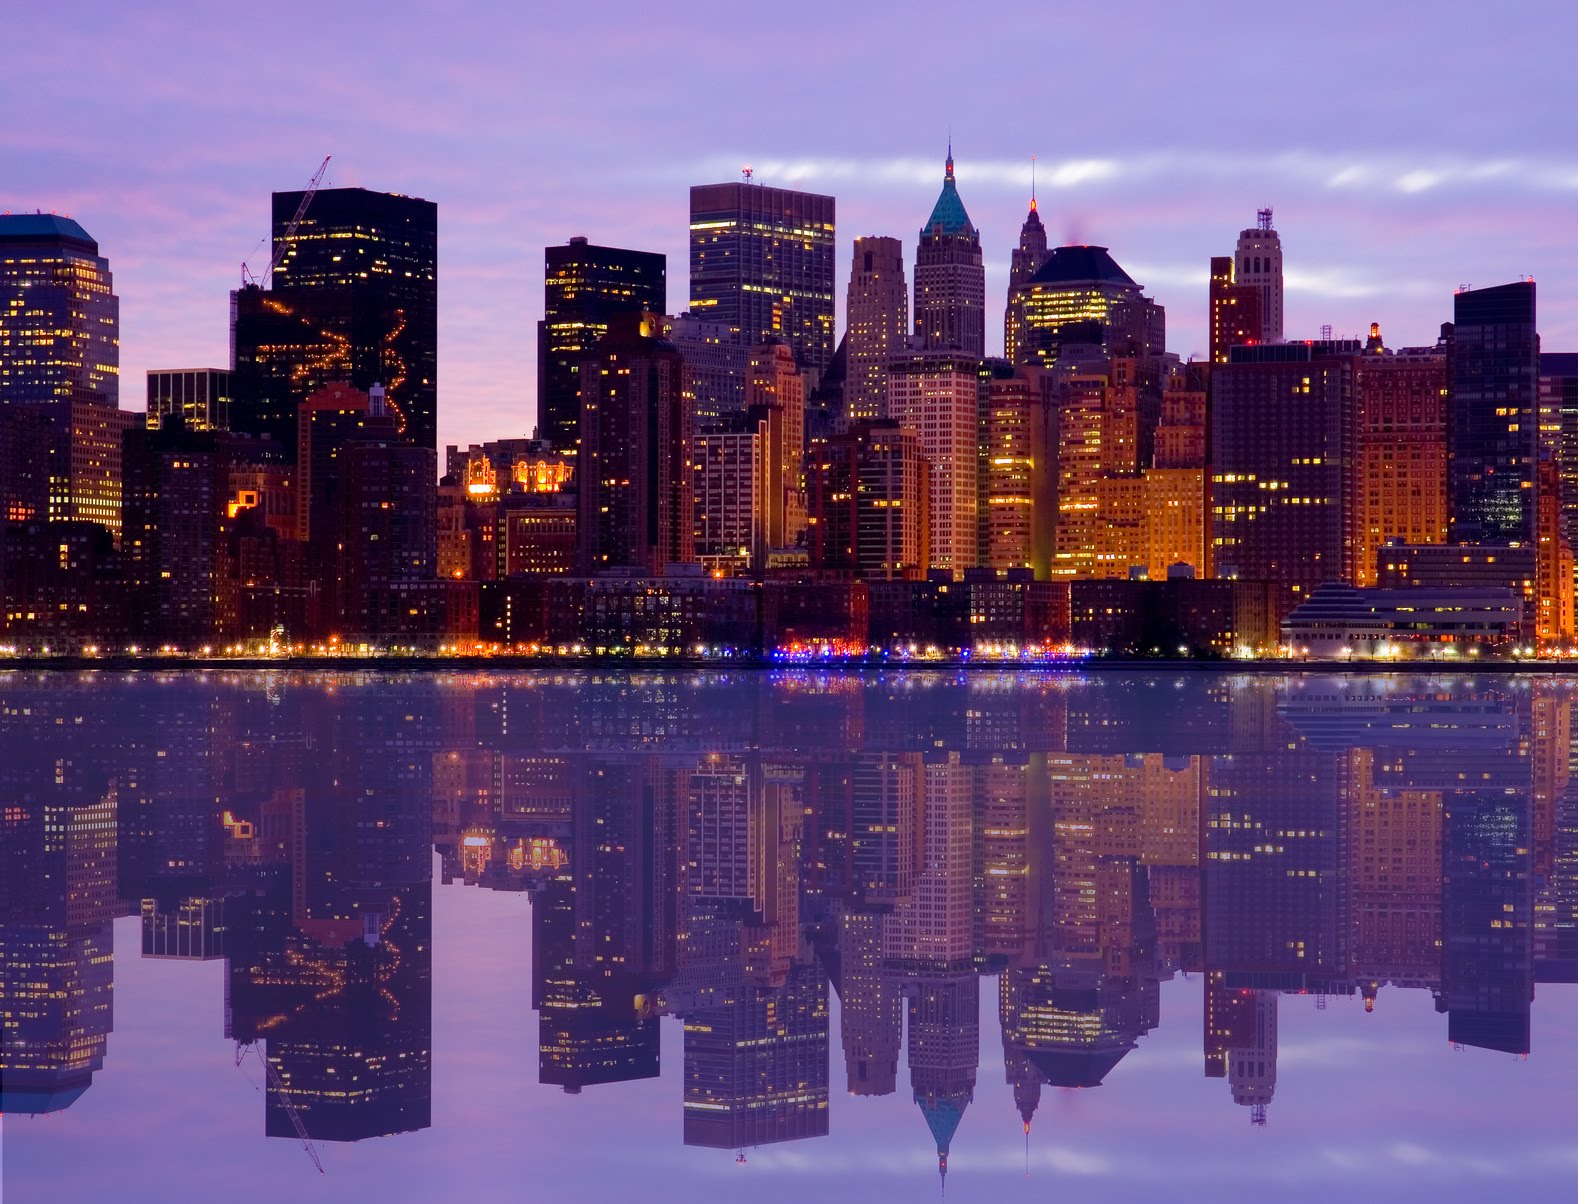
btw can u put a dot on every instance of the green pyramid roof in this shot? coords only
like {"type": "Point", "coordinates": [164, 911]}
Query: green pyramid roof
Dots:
{"type": "Point", "coordinates": [948, 216]}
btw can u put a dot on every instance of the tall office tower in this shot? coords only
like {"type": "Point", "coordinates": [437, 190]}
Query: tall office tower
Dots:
{"type": "Point", "coordinates": [1559, 429]}
{"type": "Point", "coordinates": [761, 262]}
{"type": "Point", "coordinates": [387, 528]}
{"type": "Point", "coordinates": [85, 462]}
{"type": "Point", "coordinates": [756, 1064]}
{"type": "Point", "coordinates": [950, 280]}
{"type": "Point", "coordinates": [582, 285]}
{"type": "Point", "coordinates": [877, 317]}
{"type": "Point", "coordinates": [1494, 357]}
{"type": "Point", "coordinates": [1399, 452]}
{"type": "Point", "coordinates": [1235, 310]}
{"type": "Point", "coordinates": [1019, 494]}
{"type": "Point", "coordinates": [773, 380]}
{"type": "Point", "coordinates": [354, 300]}
{"type": "Point", "coordinates": [177, 483]}
{"type": "Point", "coordinates": [1487, 921]}
{"type": "Point", "coordinates": [937, 395]}
{"type": "Point", "coordinates": [1174, 494]}
{"type": "Point", "coordinates": [1257, 262]}
{"type": "Point", "coordinates": [201, 396]}
{"type": "Point", "coordinates": [738, 488]}
{"type": "Point", "coordinates": [59, 315]}
{"type": "Point", "coordinates": [60, 352]}
{"type": "Point", "coordinates": [1080, 295]}
{"type": "Point", "coordinates": [1252, 1062]}
{"type": "Point", "coordinates": [632, 483]}
{"type": "Point", "coordinates": [716, 365]}
{"type": "Point", "coordinates": [1026, 260]}
{"type": "Point", "coordinates": [868, 512]}
{"type": "Point", "coordinates": [1281, 439]}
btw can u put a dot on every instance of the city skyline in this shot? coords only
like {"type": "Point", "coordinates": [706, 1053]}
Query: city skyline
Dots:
{"type": "Point", "coordinates": [1378, 223]}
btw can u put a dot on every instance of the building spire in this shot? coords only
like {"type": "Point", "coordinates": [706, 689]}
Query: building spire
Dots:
{"type": "Point", "coordinates": [948, 170]}
{"type": "Point", "coordinates": [1032, 183]}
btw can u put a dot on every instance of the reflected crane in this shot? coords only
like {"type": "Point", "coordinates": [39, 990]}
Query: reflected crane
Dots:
{"type": "Point", "coordinates": [281, 1094]}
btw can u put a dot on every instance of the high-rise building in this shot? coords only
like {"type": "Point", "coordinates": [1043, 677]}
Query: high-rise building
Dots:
{"type": "Point", "coordinates": [632, 484]}
{"type": "Point", "coordinates": [1235, 310]}
{"type": "Point", "coordinates": [937, 395]}
{"type": "Point", "coordinates": [1494, 357]}
{"type": "Point", "coordinates": [200, 395]}
{"type": "Point", "coordinates": [1281, 443]}
{"type": "Point", "coordinates": [773, 380]}
{"type": "Point", "coordinates": [177, 483]}
{"type": "Point", "coordinates": [1023, 264]}
{"type": "Point", "coordinates": [868, 513]}
{"type": "Point", "coordinates": [354, 300]}
{"type": "Point", "coordinates": [877, 317]}
{"type": "Point", "coordinates": [1019, 493]}
{"type": "Point", "coordinates": [1399, 453]}
{"type": "Point", "coordinates": [1079, 295]}
{"type": "Point", "coordinates": [59, 315]}
{"type": "Point", "coordinates": [950, 280]}
{"type": "Point", "coordinates": [761, 263]}
{"type": "Point", "coordinates": [583, 284]}
{"type": "Point", "coordinates": [85, 462]}
{"type": "Point", "coordinates": [1559, 429]}
{"type": "Point", "coordinates": [1257, 263]}
{"type": "Point", "coordinates": [738, 488]}
{"type": "Point", "coordinates": [716, 362]}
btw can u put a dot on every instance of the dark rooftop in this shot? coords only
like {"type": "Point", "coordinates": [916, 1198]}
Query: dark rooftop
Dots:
{"type": "Point", "coordinates": [1079, 264]}
{"type": "Point", "coordinates": [44, 227]}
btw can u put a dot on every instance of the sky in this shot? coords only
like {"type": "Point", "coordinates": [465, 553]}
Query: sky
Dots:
{"type": "Point", "coordinates": [1406, 149]}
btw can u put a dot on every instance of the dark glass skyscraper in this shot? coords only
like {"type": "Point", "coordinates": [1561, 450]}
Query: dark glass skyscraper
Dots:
{"type": "Point", "coordinates": [1494, 427]}
{"type": "Point", "coordinates": [355, 299]}
{"type": "Point", "coordinates": [761, 261]}
{"type": "Point", "coordinates": [584, 284]}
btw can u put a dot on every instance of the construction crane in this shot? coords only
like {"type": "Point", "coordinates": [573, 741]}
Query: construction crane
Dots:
{"type": "Point", "coordinates": [267, 276]}
{"type": "Point", "coordinates": [281, 1094]}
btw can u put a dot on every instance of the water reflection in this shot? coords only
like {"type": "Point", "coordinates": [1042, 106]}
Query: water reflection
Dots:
{"type": "Point", "coordinates": [811, 874]}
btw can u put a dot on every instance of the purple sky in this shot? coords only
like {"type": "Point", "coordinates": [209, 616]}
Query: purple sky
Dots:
{"type": "Point", "coordinates": [1406, 150]}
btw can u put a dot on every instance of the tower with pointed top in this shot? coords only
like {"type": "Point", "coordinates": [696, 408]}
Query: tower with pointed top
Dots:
{"type": "Point", "coordinates": [1025, 262]}
{"type": "Point", "coordinates": [950, 279]}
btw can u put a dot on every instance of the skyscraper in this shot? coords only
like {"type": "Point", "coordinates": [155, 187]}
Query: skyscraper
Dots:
{"type": "Point", "coordinates": [60, 351]}
{"type": "Point", "coordinates": [59, 315]}
{"type": "Point", "coordinates": [950, 280]}
{"type": "Point", "coordinates": [1281, 489]}
{"type": "Point", "coordinates": [869, 510]}
{"type": "Point", "coordinates": [583, 284]}
{"type": "Point", "coordinates": [1023, 264]}
{"type": "Point", "coordinates": [1235, 310]}
{"type": "Point", "coordinates": [877, 317]}
{"type": "Point", "coordinates": [1494, 355]}
{"type": "Point", "coordinates": [1079, 294]}
{"type": "Point", "coordinates": [634, 492]}
{"type": "Point", "coordinates": [937, 395]}
{"type": "Point", "coordinates": [1257, 262]}
{"type": "Point", "coordinates": [355, 299]}
{"type": "Point", "coordinates": [761, 262]}
{"type": "Point", "coordinates": [1400, 451]}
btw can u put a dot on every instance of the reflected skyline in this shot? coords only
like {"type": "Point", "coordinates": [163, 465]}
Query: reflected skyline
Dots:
{"type": "Point", "coordinates": [968, 901]}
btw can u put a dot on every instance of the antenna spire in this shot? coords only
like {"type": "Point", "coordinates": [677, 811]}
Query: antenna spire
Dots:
{"type": "Point", "coordinates": [1032, 183]}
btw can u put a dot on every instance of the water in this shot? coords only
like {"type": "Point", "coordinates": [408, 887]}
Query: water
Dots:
{"type": "Point", "coordinates": [730, 936]}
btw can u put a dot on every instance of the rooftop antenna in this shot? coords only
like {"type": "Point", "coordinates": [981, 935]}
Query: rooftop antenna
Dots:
{"type": "Point", "coordinates": [747, 171]}
{"type": "Point", "coordinates": [1263, 218]}
{"type": "Point", "coordinates": [1032, 183]}
{"type": "Point", "coordinates": [1325, 337]}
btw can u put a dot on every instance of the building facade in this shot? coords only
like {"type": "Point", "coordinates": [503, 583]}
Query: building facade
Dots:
{"type": "Point", "coordinates": [950, 279]}
{"type": "Point", "coordinates": [761, 263]}
{"type": "Point", "coordinates": [1257, 264]}
{"type": "Point", "coordinates": [200, 395]}
{"type": "Point", "coordinates": [582, 285]}
{"type": "Point", "coordinates": [877, 317]}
